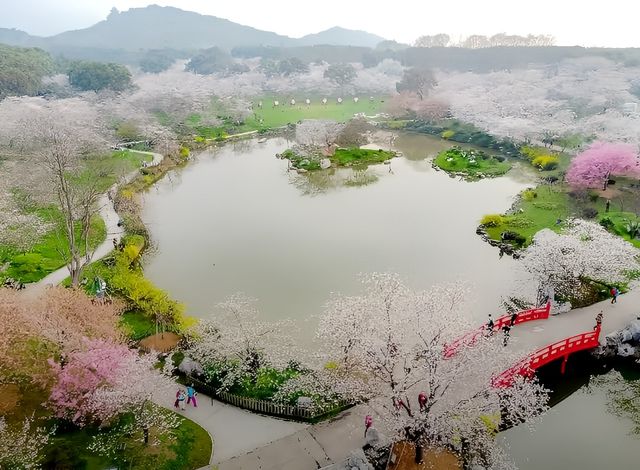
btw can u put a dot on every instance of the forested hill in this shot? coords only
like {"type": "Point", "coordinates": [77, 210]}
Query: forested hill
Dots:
{"type": "Point", "coordinates": [341, 37]}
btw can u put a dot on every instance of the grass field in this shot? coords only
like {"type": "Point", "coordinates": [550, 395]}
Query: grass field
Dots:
{"type": "Point", "coordinates": [269, 116]}
{"type": "Point", "coordinates": [553, 202]}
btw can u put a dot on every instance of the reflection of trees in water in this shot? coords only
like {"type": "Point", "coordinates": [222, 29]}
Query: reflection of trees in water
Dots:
{"type": "Point", "coordinates": [316, 182]}
{"type": "Point", "coordinates": [319, 182]}
{"type": "Point", "coordinates": [623, 392]}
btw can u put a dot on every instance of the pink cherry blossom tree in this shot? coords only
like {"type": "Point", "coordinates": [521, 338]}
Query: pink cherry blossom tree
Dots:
{"type": "Point", "coordinates": [593, 167]}
{"type": "Point", "coordinates": [104, 380]}
{"type": "Point", "coordinates": [389, 342]}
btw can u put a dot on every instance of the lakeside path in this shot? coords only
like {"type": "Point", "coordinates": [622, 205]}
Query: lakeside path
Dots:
{"type": "Point", "coordinates": [234, 431]}
{"type": "Point", "coordinates": [332, 441]}
{"type": "Point", "coordinates": [110, 217]}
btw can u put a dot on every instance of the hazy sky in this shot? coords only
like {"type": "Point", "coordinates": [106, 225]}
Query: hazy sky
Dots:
{"type": "Point", "coordinates": [613, 23]}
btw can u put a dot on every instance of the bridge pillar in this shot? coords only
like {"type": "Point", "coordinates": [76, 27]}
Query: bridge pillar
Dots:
{"type": "Point", "coordinates": [563, 367]}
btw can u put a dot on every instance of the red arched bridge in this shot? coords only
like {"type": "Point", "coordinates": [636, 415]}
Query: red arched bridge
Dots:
{"type": "Point", "coordinates": [561, 349]}
{"type": "Point", "coordinates": [526, 368]}
{"type": "Point", "coordinates": [540, 313]}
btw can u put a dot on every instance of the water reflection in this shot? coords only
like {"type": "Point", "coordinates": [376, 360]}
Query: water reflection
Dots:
{"type": "Point", "coordinates": [236, 220]}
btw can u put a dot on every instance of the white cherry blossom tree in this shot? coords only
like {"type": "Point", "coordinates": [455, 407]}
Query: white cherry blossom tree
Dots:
{"type": "Point", "coordinates": [390, 342]}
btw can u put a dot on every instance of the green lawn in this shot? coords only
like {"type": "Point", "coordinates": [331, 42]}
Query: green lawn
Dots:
{"type": "Point", "coordinates": [532, 214]}
{"type": "Point", "coordinates": [472, 164]}
{"type": "Point", "coordinates": [271, 117]}
{"type": "Point", "coordinates": [137, 325]}
{"type": "Point", "coordinates": [543, 206]}
{"type": "Point", "coordinates": [45, 256]}
{"type": "Point", "coordinates": [287, 114]}
{"type": "Point", "coordinates": [357, 156]}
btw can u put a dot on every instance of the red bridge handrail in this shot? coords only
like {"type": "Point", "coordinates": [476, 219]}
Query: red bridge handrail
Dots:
{"type": "Point", "coordinates": [538, 313]}
{"type": "Point", "coordinates": [564, 348]}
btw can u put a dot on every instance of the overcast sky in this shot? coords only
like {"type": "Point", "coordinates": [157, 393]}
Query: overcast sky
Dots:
{"type": "Point", "coordinates": [611, 23]}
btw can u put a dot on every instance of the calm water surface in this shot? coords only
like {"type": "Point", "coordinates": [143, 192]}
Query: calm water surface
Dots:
{"type": "Point", "coordinates": [236, 220]}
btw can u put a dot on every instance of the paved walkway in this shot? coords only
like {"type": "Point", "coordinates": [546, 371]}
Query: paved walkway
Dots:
{"type": "Point", "coordinates": [235, 431]}
{"type": "Point", "coordinates": [311, 448]}
{"type": "Point", "coordinates": [110, 217]}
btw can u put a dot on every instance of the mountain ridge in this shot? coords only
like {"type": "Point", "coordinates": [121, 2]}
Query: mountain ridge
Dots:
{"type": "Point", "coordinates": [157, 27]}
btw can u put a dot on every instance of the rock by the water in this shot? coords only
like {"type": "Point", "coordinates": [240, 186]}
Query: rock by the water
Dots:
{"type": "Point", "coordinates": [301, 171]}
{"type": "Point", "coordinates": [325, 163]}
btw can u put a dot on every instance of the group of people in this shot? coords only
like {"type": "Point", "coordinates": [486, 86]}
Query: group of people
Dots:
{"type": "Point", "coordinates": [506, 328]}
{"type": "Point", "coordinates": [183, 398]}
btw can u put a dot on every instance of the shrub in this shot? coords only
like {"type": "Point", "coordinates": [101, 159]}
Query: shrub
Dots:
{"type": "Point", "coordinates": [607, 223]}
{"type": "Point", "coordinates": [589, 213]}
{"type": "Point", "coordinates": [184, 152]}
{"type": "Point", "coordinates": [529, 194]}
{"type": "Point", "coordinates": [545, 162]}
{"type": "Point", "coordinates": [447, 134]}
{"type": "Point", "coordinates": [500, 158]}
{"type": "Point", "coordinates": [514, 237]}
{"type": "Point", "coordinates": [492, 220]}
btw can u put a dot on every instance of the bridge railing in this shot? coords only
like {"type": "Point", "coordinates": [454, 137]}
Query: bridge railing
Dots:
{"type": "Point", "coordinates": [470, 338]}
{"type": "Point", "coordinates": [541, 357]}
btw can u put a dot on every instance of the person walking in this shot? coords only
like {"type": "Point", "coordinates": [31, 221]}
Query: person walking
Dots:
{"type": "Point", "coordinates": [191, 396]}
{"type": "Point", "coordinates": [176, 404]}
{"type": "Point", "coordinates": [506, 329]}
{"type": "Point", "coordinates": [490, 325]}
{"type": "Point", "coordinates": [514, 317]}
{"type": "Point", "coordinates": [422, 401]}
{"type": "Point", "coordinates": [598, 320]}
{"type": "Point", "coordinates": [368, 422]}
{"type": "Point", "coordinates": [181, 399]}
{"type": "Point", "coordinates": [614, 295]}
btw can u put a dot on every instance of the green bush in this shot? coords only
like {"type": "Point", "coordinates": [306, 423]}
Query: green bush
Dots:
{"type": "Point", "coordinates": [448, 134]}
{"type": "Point", "coordinates": [607, 223]}
{"type": "Point", "coordinates": [529, 194]}
{"type": "Point", "coordinates": [546, 162]}
{"type": "Point", "coordinates": [492, 220]}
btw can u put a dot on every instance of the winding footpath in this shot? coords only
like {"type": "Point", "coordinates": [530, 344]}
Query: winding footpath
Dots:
{"type": "Point", "coordinates": [110, 216]}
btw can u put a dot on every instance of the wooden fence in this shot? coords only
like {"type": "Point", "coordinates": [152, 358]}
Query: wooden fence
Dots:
{"type": "Point", "coordinates": [292, 412]}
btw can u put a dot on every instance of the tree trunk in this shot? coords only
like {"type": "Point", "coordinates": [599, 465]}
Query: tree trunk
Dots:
{"type": "Point", "coordinates": [419, 453]}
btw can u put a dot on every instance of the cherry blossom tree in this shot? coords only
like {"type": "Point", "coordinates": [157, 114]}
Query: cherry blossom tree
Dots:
{"type": "Point", "coordinates": [55, 323]}
{"type": "Point", "coordinates": [593, 167]}
{"type": "Point", "coordinates": [237, 341]}
{"type": "Point", "coordinates": [21, 446]}
{"type": "Point", "coordinates": [104, 380]}
{"type": "Point", "coordinates": [393, 339]}
{"type": "Point", "coordinates": [566, 263]}
{"type": "Point", "coordinates": [318, 132]}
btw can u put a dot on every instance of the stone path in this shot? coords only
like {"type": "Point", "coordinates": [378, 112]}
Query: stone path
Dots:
{"type": "Point", "coordinates": [110, 217]}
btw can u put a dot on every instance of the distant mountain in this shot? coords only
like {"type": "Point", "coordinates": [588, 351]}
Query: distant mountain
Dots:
{"type": "Point", "coordinates": [156, 27]}
{"type": "Point", "coordinates": [341, 37]}
{"type": "Point", "coordinates": [15, 37]}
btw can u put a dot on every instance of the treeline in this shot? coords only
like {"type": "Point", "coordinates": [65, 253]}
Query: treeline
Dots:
{"type": "Point", "coordinates": [22, 71]}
